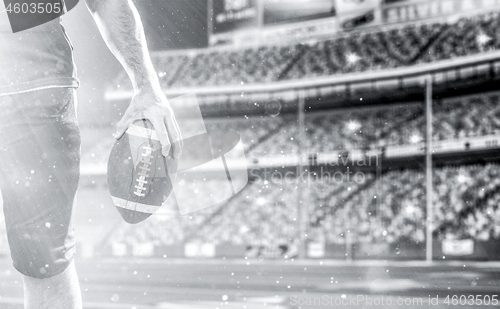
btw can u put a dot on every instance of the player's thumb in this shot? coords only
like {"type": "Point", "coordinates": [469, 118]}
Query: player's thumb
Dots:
{"type": "Point", "coordinates": [123, 125]}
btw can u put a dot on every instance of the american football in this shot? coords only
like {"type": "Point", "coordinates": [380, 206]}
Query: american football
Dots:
{"type": "Point", "coordinates": [139, 176]}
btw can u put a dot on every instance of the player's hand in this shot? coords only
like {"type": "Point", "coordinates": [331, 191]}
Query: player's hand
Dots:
{"type": "Point", "coordinates": [153, 105]}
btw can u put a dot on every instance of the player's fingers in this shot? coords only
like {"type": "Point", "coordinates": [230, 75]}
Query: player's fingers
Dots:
{"type": "Point", "coordinates": [175, 135]}
{"type": "Point", "coordinates": [161, 132]}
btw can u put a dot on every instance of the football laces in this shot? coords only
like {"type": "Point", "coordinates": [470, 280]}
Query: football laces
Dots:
{"type": "Point", "coordinates": [144, 168]}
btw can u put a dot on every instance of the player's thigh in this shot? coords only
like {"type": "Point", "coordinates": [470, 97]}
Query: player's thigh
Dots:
{"type": "Point", "coordinates": [39, 170]}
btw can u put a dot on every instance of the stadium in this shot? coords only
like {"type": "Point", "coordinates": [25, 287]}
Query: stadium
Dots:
{"type": "Point", "coordinates": [371, 131]}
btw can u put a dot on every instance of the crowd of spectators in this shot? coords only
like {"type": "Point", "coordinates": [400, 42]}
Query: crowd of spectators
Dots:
{"type": "Point", "coordinates": [366, 51]}
{"type": "Point", "coordinates": [382, 48]}
{"type": "Point", "coordinates": [467, 116]}
{"type": "Point", "coordinates": [348, 129]}
{"type": "Point", "coordinates": [393, 208]}
{"type": "Point", "coordinates": [366, 128]}
{"type": "Point", "coordinates": [342, 129]}
{"type": "Point", "coordinates": [373, 127]}
{"type": "Point", "coordinates": [387, 209]}
{"type": "Point", "coordinates": [220, 68]}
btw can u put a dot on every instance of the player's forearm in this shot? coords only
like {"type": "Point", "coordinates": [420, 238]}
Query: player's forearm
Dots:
{"type": "Point", "coordinates": [122, 30]}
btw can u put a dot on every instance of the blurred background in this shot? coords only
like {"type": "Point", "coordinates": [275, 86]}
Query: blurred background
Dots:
{"type": "Point", "coordinates": [372, 137]}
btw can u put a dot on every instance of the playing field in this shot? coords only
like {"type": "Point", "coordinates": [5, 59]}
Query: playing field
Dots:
{"type": "Point", "coordinates": [169, 283]}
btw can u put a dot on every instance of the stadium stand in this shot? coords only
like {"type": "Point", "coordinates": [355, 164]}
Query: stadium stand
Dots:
{"type": "Point", "coordinates": [384, 48]}
{"type": "Point", "coordinates": [469, 116]}
{"type": "Point", "coordinates": [386, 210]}
{"type": "Point", "coordinates": [388, 207]}
{"type": "Point", "coordinates": [345, 129]}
